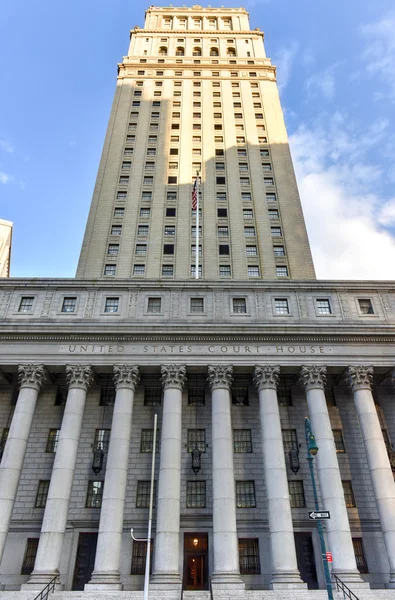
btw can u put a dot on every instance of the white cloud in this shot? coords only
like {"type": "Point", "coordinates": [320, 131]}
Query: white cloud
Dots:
{"type": "Point", "coordinates": [4, 177]}
{"type": "Point", "coordinates": [323, 83]}
{"type": "Point", "coordinates": [379, 55]}
{"type": "Point", "coordinates": [284, 61]}
{"type": "Point", "coordinates": [6, 146]}
{"type": "Point", "coordinates": [346, 217]}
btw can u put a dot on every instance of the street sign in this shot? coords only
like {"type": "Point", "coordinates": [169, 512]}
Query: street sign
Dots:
{"type": "Point", "coordinates": [323, 514]}
{"type": "Point", "coordinates": [328, 556]}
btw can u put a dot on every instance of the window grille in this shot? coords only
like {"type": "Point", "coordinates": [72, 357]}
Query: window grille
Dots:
{"type": "Point", "coordinates": [338, 438]}
{"type": "Point", "coordinates": [296, 494]}
{"type": "Point", "coordinates": [52, 441]}
{"type": "Point", "coordinates": [196, 394]}
{"type": "Point", "coordinates": [281, 306]}
{"type": "Point", "coordinates": [360, 555]}
{"type": "Point", "coordinates": [69, 304]}
{"type": "Point", "coordinates": [26, 304]}
{"type": "Point", "coordinates": [253, 271]}
{"type": "Point", "coordinates": [139, 554]}
{"type": "Point", "coordinates": [154, 305]}
{"type": "Point", "coordinates": [348, 494]}
{"type": "Point", "coordinates": [138, 269]}
{"type": "Point", "coordinates": [95, 494]}
{"type": "Point", "coordinates": [290, 439]}
{"type": "Point", "coordinates": [153, 394]}
{"type": "Point", "coordinates": [147, 439]}
{"type": "Point", "coordinates": [284, 393]}
{"type": "Point", "coordinates": [240, 395]}
{"type": "Point", "coordinates": [30, 556]}
{"type": "Point", "coordinates": [102, 440]}
{"type": "Point", "coordinates": [107, 390]}
{"type": "Point", "coordinates": [245, 494]}
{"type": "Point", "coordinates": [196, 494]}
{"type": "Point", "coordinates": [242, 441]}
{"type": "Point", "coordinates": [143, 494]}
{"type": "Point", "coordinates": [197, 304]}
{"type": "Point", "coordinates": [196, 437]}
{"type": "Point", "coordinates": [42, 493]}
{"type": "Point", "coordinates": [249, 557]}
{"type": "Point", "coordinates": [239, 305]}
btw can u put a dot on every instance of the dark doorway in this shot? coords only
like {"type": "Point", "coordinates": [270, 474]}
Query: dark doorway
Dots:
{"type": "Point", "coordinates": [305, 557]}
{"type": "Point", "coordinates": [85, 560]}
{"type": "Point", "coordinates": [195, 561]}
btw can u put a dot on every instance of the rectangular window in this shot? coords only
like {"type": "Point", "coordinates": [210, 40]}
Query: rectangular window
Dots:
{"type": "Point", "coordinates": [290, 440]}
{"type": "Point", "coordinates": [245, 494]}
{"type": "Point", "coordinates": [264, 152]}
{"type": "Point", "coordinates": [196, 394]}
{"type": "Point", "coordinates": [273, 213]}
{"type": "Point", "coordinates": [253, 271]}
{"type": "Point", "coordinates": [224, 271]}
{"type": "Point", "coordinates": [348, 494]}
{"type": "Point", "coordinates": [193, 230]}
{"type": "Point", "coordinates": [221, 196]}
{"type": "Point", "coordinates": [128, 152]}
{"type": "Point", "coordinates": [323, 307]}
{"type": "Point", "coordinates": [281, 306]}
{"type": "Point", "coordinates": [141, 249]}
{"type": "Point", "coordinates": [196, 305]}
{"type": "Point", "coordinates": [154, 305]}
{"type": "Point", "coordinates": [276, 231]}
{"type": "Point", "coordinates": [240, 395]}
{"type": "Point", "coordinates": [220, 166]}
{"type": "Point", "coordinates": [171, 180]}
{"type": "Point", "coordinates": [102, 440]}
{"type": "Point", "coordinates": [95, 494]}
{"type": "Point", "coordinates": [111, 305]}
{"type": "Point", "coordinates": [244, 181]}
{"type": "Point", "coordinates": [360, 559]}
{"type": "Point", "coordinates": [116, 229]}
{"type": "Point", "coordinates": [172, 196]}
{"type": "Point", "coordinates": [247, 213]}
{"type": "Point", "coordinates": [138, 270]}
{"type": "Point", "coordinates": [148, 180]}
{"type": "Point", "coordinates": [193, 270]}
{"type": "Point", "coordinates": [243, 166]}
{"type": "Point", "coordinates": [284, 392]}
{"type": "Point", "coordinates": [123, 180]}
{"type": "Point", "coordinates": [152, 139]}
{"type": "Point", "coordinates": [279, 250]}
{"type": "Point", "coordinates": [121, 195]}
{"type": "Point", "coordinates": [142, 230]}
{"type": "Point", "coordinates": [30, 556]}
{"type": "Point", "coordinates": [26, 304]}
{"type": "Point", "coordinates": [239, 305]}
{"type": "Point", "coordinates": [153, 394]}
{"type": "Point", "coordinates": [42, 494]}
{"type": "Point", "coordinates": [168, 249]}
{"type": "Point", "coordinates": [249, 557]}
{"type": "Point", "coordinates": [147, 440]}
{"type": "Point", "coordinates": [69, 304]}
{"type": "Point", "coordinates": [196, 494]}
{"type": "Point", "coordinates": [4, 437]}
{"type": "Point", "coordinates": [167, 270]}
{"type": "Point", "coordinates": [143, 494]}
{"type": "Point", "coordinates": [145, 212]}
{"type": "Point", "coordinates": [146, 196]}
{"type": "Point", "coordinates": [126, 164]}
{"type": "Point", "coordinates": [268, 181]}
{"type": "Point", "coordinates": [52, 441]}
{"type": "Point", "coordinates": [240, 139]}
{"type": "Point", "coordinates": [110, 270]}
{"type": "Point", "coordinates": [170, 229]}
{"type": "Point", "coordinates": [242, 441]}
{"type": "Point", "coordinates": [119, 212]}
{"type": "Point", "coordinates": [271, 197]}
{"type": "Point", "coordinates": [196, 437]}
{"type": "Point", "coordinates": [223, 250]}
{"type": "Point", "coordinates": [338, 439]}
{"type": "Point", "coordinates": [365, 306]}
{"type": "Point", "coordinates": [251, 251]}
{"type": "Point", "coordinates": [282, 271]}
{"type": "Point", "coordinates": [249, 231]}
{"type": "Point", "coordinates": [296, 494]}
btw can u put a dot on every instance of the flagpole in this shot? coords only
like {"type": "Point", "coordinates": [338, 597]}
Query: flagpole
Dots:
{"type": "Point", "coordinates": [197, 224]}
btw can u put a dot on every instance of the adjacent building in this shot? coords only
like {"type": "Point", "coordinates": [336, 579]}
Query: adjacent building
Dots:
{"type": "Point", "coordinates": [231, 362]}
{"type": "Point", "coordinates": [5, 247]}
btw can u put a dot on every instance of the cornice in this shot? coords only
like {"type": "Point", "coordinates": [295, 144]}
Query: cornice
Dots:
{"type": "Point", "coordinates": [195, 33]}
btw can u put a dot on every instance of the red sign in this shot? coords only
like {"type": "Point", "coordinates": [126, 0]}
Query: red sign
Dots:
{"type": "Point", "coordinates": [328, 556]}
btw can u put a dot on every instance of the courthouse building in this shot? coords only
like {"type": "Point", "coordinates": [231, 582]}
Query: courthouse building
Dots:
{"type": "Point", "coordinates": [231, 362]}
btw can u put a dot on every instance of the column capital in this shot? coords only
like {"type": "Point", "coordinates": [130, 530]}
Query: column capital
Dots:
{"type": "Point", "coordinates": [79, 376]}
{"type": "Point", "coordinates": [313, 377]}
{"type": "Point", "coordinates": [32, 376]}
{"type": "Point", "coordinates": [173, 376]}
{"type": "Point", "coordinates": [126, 376]}
{"type": "Point", "coordinates": [266, 377]}
{"type": "Point", "coordinates": [220, 376]}
{"type": "Point", "coordinates": [360, 377]}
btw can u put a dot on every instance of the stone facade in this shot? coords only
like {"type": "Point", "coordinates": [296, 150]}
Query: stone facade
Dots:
{"type": "Point", "coordinates": [5, 247]}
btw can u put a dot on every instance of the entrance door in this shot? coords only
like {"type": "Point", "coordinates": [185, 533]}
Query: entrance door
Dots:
{"type": "Point", "coordinates": [305, 558]}
{"type": "Point", "coordinates": [195, 561]}
{"type": "Point", "coordinates": [85, 560]}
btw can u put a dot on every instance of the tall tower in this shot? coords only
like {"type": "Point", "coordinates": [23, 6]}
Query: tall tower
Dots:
{"type": "Point", "coordinates": [196, 93]}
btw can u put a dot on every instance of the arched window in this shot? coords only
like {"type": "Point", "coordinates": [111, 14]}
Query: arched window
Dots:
{"type": "Point", "coordinates": [179, 51]}
{"type": "Point", "coordinates": [163, 51]}
{"type": "Point", "coordinates": [231, 52]}
{"type": "Point", "coordinates": [214, 52]}
{"type": "Point", "coordinates": [197, 52]}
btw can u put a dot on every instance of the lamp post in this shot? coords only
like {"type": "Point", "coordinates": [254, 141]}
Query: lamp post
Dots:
{"type": "Point", "coordinates": [312, 450]}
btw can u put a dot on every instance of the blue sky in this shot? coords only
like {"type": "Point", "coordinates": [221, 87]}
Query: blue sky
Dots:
{"type": "Point", "coordinates": [336, 71]}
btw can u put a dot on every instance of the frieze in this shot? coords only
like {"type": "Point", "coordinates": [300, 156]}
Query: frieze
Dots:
{"type": "Point", "coordinates": [204, 349]}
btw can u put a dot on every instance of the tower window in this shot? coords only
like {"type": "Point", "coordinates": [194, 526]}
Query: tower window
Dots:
{"type": "Point", "coordinates": [224, 271]}
{"type": "Point", "coordinates": [111, 305]}
{"type": "Point", "coordinates": [138, 270]}
{"type": "Point", "coordinates": [323, 306]}
{"type": "Point", "coordinates": [282, 271]}
{"type": "Point", "coordinates": [116, 229]}
{"type": "Point", "coordinates": [281, 306]}
{"type": "Point", "coordinates": [26, 304]}
{"type": "Point", "coordinates": [168, 249]}
{"type": "Point", "coordinates": [251, 250]}
{"type": "Point", "coordinates": [167, 270]}
{"type": "Point", "coordinates": [223, 249]}
{"type": "Point", "coordinates": [154, 305]}
{"type": "Point", "coordinates": [110, 269]}
{"type": "Point", "coordinates": [253, 271]}
{"type": "Point", "coordinates": [279, 250]}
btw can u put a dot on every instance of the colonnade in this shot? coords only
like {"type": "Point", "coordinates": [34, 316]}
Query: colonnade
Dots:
{"type": "Point", "coordinates": [285, 574]}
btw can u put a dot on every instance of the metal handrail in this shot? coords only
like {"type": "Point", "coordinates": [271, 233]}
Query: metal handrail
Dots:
{"type": "Point", "coordinates": [340, 585]}
{"type": "Point", "coordinates": [50, 587]}
{"type": "Point", "coordinates": [211, 589]}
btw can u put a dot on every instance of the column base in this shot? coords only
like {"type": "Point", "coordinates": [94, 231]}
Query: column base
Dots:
{"type": "Point", "coordinates": [352, 579]}
{"type": "Point", "coordinates": [287, 580]}
{"type": "Point", "coordinates": [391, 584]}
{"type": "Point", "coordinates": [104, 580]}
{"type": "Point", "coordinates": [165, 581]}
{"type": "Point", "coordinates": [227, 580]}
{"type": "Point", "coordinates": [39, 579]}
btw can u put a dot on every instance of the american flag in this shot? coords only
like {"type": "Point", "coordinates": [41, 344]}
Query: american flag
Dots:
{"type": "Point", "coordinates": [194, 195]}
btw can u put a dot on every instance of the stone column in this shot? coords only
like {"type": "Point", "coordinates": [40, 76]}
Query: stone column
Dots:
{"type": "Point", "coordinates": [332, 494]}
{"type": "Point", "coordinates": [226, 551]}
{"type": "Point", "coordinates": [106, 572]}
{"type": "Point", "coordinates": [31, 378]}
{"type": "Point", "coordinates": [360, 380]}
{"type": "Point", "coordinates": [79, 378]}
{"type": "Point", "coordinates": [167, 538]}
{"type": "Point", "coordinates": [285, 567]}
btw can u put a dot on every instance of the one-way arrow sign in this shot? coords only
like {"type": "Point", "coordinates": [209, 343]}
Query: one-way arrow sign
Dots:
{"type": "Point", "coordinates": [324, 514]}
